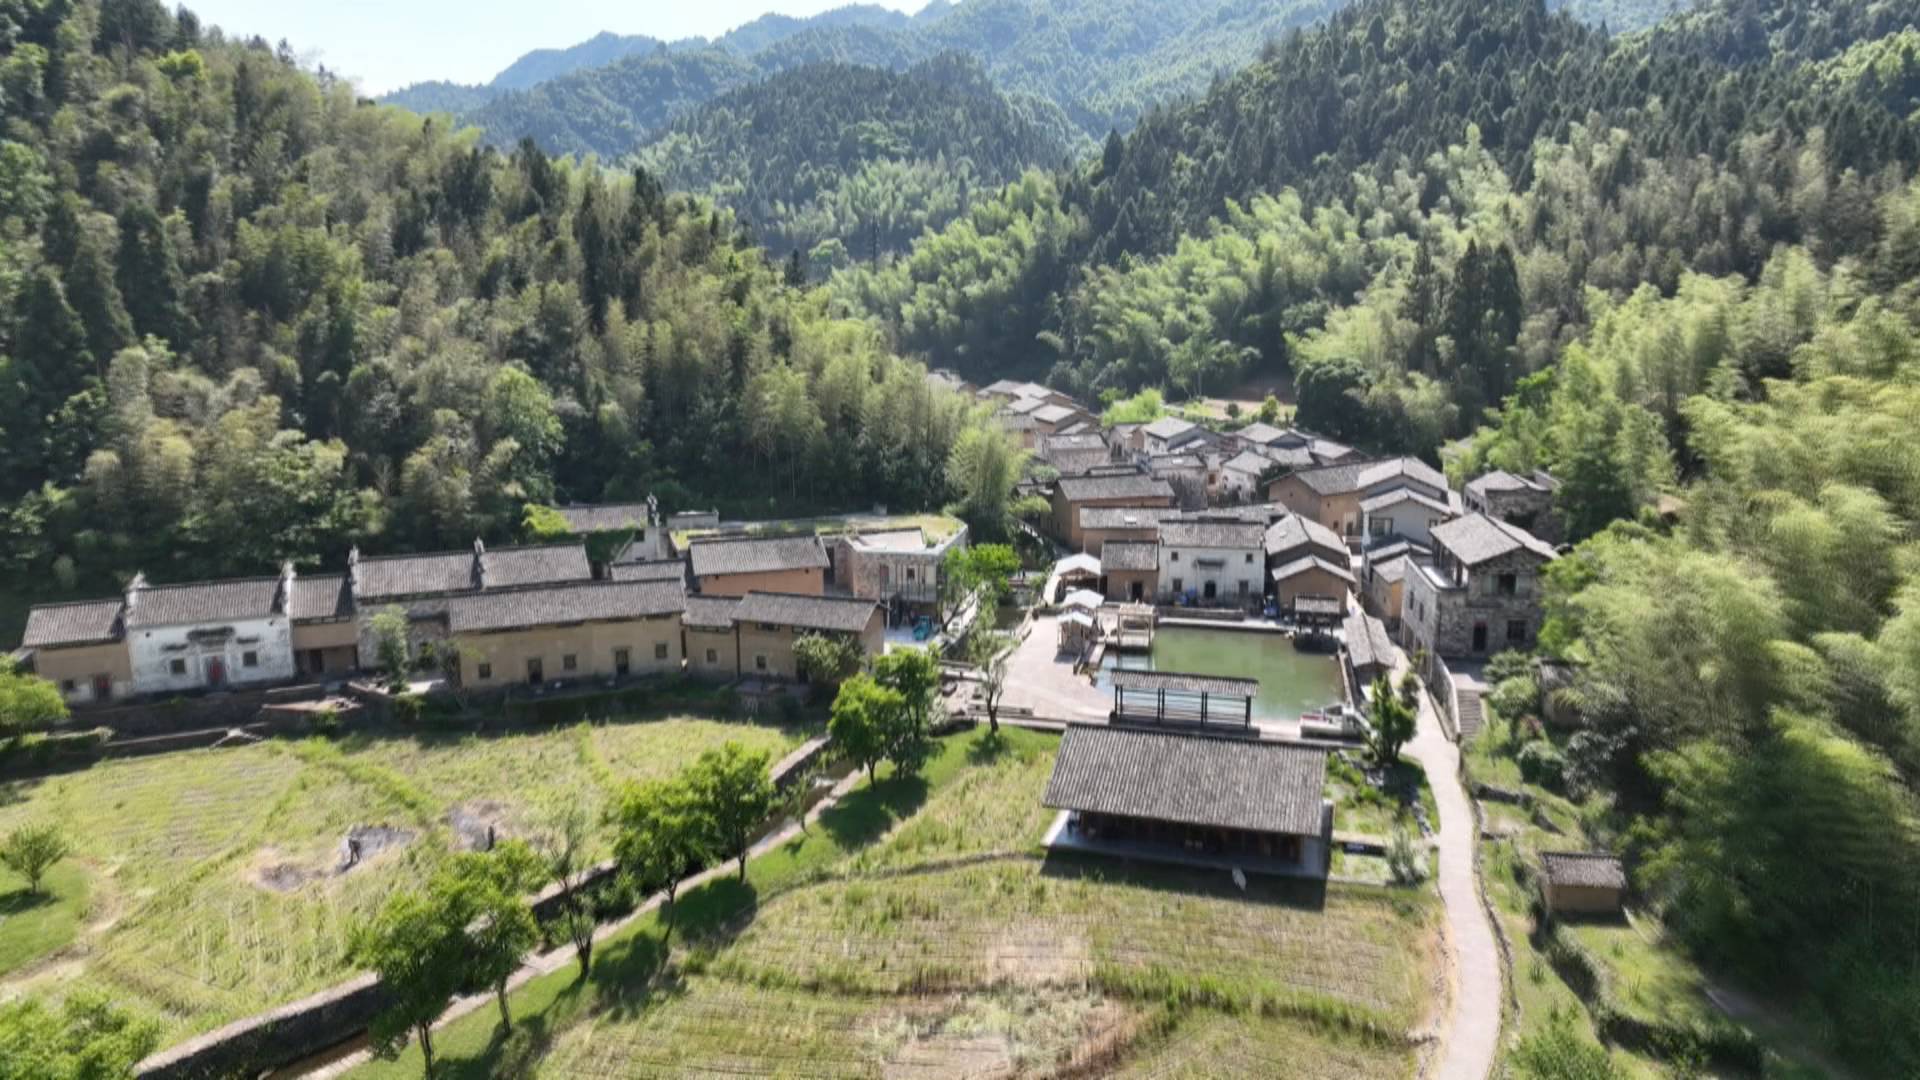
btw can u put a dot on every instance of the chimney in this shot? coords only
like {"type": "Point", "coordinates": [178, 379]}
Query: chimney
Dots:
{"type": "Point", "coordinates": [134, 589]}
{"type": "Point", "coordinates": [479, 564]}
{"type": "Point", "coordinates": [353, 571]}
{"type": "Point", "coordinates": [287, 576]}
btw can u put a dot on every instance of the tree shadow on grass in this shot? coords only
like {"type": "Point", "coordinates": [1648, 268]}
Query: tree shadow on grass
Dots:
{"type": "Point", "coordinates": [516, 1052]}
{"type": "Point", "coordinates": [20, 901]}
{"type": "Point", "coordinates": [865, 815]}
{"type": "Point", "coordinates": [988, 749]}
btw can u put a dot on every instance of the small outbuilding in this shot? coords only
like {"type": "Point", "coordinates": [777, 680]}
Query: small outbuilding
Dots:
{"type": "Point", "coordinates": [1192, 797]}
{"type": "Point", "coordinates": [1079, 632]}
{"type": "Point", "coordinates": [1582, 883]}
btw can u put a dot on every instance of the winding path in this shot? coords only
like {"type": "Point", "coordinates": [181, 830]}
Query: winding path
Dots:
{"type": "Point", "coordinates": [1470, 1034]}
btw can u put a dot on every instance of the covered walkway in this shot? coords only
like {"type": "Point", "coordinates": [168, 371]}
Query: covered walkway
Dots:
{"type": "Point", "coordinates": [1164, 697]}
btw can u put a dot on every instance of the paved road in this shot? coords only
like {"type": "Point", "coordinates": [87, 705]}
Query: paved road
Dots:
{"type": "Point", "coordinates": [1471, 1032]}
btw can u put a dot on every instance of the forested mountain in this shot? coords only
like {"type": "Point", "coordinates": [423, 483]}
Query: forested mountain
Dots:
{"type": "Point", "coordinates": [604, 48]}
{"type": "Point", "coordinates": [1103, 62]}
{"type": "Point", "coordinates": [247, 318]}
{"type": "Point", "coordinates": [856, 161]}
{"type": "Point", "coordinates": [1363, 167]}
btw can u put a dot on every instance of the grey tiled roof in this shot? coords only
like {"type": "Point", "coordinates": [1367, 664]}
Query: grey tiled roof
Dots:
{"type": "Point", "coordinates": [1053, 414]}
{"type": "Point", "coordinates": [323, 597]}
{"type": "Point", "coordinates": [757, 555]}
{"type": "Point", "coordinates": [595, 601]}
{"type": "Point", "coordinates": [1368, 644]}
{"type": "Point", "coordinates": [847, 615]}
{"type": "Point", "coordinates": [1169, 428]}
{"type": "Point", "coordinates": [1089, 441]}
{"type": "Point", "coordinates": [83, 622]}
{"type": "Point", "coordinates": [1293, 532]}
{"type": "Point", "coordinates": [1135, 555]}
{"type": "Point", "coordinates": [513, 567]}
{"type": "Point", "coordinates": [1127, 486]}
{"type": "Point", "coordinates": [440, 573]}
{"type": "Point", "coordinates": [1312, 562]}
{"type": "Point", "coordinates": [1190, 779]}
{"type": "Point", "coordinates": [413, 575]}
{"type": "Point", "coordinates": [1260, 434]}
{"type": "Point", "coordinates": [610, 518]}
{"type": "Point", "coordinates": [1184, 683]}
{"type": "Point", "coordinates": [1584, 869]}
{"type": "Point", "coordinates": [661, 570]}
{"type": "Point", "coordinates": [204, 602]}
{"type": "Point", "coordinates": [1406, 494]}
{"type": "Point", "coordinates": [1246, 461]}
{"type": "Point", "coordinates": [1233, 535]}
{"type": "Point", "coordinates": [1125, 517]}
{"type": "Point", "coordinates": [710, 612]}
{"type": "Point", "coordinates": [1027, 406]}
{"type": "Point", "coordinates": [1476, 538]}
{"type": "Point", "coordinates": [1360, 475]}
{"type": "Point", "coordinates": [1391, 568]}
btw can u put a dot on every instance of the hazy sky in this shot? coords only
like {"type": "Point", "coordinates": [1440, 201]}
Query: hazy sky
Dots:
{"type": "Point", "coordinates": [385, 44]}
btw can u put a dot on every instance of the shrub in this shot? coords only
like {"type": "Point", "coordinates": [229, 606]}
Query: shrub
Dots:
{"type": "Point", "coordinates": [1405, 859]}
{"type": "Point", "coordinates": [1541, 764]}
{"type": "Point", "coordinates": [31, 850]}
{"type": "Point", "coordinates": [326, 721]}
{"type": "Point", "coordinates": [409, 708]}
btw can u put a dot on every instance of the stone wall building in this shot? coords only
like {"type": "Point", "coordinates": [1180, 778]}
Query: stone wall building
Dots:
{"type": "Point", "coordinates": [1478, 593]}
{"type": "Point", "coordinates": [1526, 501]}
{"type": "Point", "coordinates": [1582, 883]}
{"type": "Point", "coordinates": [898, 567]}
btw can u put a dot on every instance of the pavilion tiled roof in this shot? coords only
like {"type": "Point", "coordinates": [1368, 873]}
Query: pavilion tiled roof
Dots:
{"type": "Point", "coordinates": [757, 555]}
{"type": "Point", "coordinates": [204, 602]}
{"type": "Point", "coordinates": [1190, 779]}
{"type": "Point", "coordinates": [846, 615]}
{"type": "Point", "coordinates": [554, 605]}
{"type": "Point", "coordinates": [1184, 683]}
{"type": "Point", "coordinates": [83, 622]}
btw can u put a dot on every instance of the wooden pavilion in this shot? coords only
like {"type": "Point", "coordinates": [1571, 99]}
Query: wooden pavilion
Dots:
{"type": "Point", "coordinates": [1166, 697]}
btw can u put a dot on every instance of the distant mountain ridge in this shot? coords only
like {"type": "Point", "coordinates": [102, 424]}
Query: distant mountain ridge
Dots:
{"type": "Point", "coordinates": [606, 47]}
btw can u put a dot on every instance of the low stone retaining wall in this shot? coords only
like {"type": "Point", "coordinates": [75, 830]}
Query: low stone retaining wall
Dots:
{"type": "Point", "coordinates": [313, 1025]}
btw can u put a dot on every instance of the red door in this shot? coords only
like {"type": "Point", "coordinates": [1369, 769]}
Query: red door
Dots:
{"type": "Point", "coordinates": [102, 687]}
{"type": "Point", "coordinates": [216, 672]}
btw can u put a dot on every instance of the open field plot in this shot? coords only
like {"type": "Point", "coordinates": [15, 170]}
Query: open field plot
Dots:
{"type": "Point", "coordinates": [954, 946]}
{"type": "Point", "coordinates": [223, 881]}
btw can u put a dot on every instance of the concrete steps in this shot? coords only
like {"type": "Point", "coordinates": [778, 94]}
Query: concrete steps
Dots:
{"type": "Point", "coordinates": [1472, 716]}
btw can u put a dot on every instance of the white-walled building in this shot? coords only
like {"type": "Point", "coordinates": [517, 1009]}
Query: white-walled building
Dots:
{"type": "Point", "coordinates": [1406, 513]}
{"type": "Point", "coordinates": [208, 635]}
{"type": "Point", "coordinates": [1213, 561]}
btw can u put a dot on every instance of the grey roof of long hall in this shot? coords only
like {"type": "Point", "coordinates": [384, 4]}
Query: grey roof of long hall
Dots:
{"type": "Point", "coordinates": [658, 570]}
{"type": "Point", "coordinates": [1125, 517]}
{"type": "Point", "coordinates": [1190, 779]}
{"type": "Point", "coordinates": [1124, 486]}
{"type": "Point", "coordinates": [756, 555]}
{"type": "Point", "coordinates": [82, 622]}
{"type": "Point", "coordinates": [1228, 535]}
{"type": "Point", "coordinates": [593, 601]}
{"type": "Point", "coordinates": [710, 612]}
{"type": "Point", "coordinates": [846, 615]}
{"type": "Point", "coordinates": [204, 602]}
{"type": "Point", "coordinates": [1184, 683]}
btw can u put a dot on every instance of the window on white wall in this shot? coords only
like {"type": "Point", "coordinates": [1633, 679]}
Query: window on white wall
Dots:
{"type": "Point", "coordinates": [177, 667]}
{"type": "Point", "coordinates": [249, 659]}
{"type": "Point", "coordinates": [484, 671]}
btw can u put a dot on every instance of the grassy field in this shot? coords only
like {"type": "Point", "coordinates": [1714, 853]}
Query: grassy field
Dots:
{"type": "Point", "coordinates": [1651, 977]}
{"type": "Point", "coordinates": [215, 878]}
{"type": "Point", "coordinates": [921, 931]}
{"type": "Point", "coordinates": [31, 926]}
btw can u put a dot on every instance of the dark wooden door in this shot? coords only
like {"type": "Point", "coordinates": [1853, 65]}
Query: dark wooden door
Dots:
{"type": "Point", "coordinates": [1480, 638]}
{"type": "Point", "coordinates": [536, 672]}
{"type": "Point", "coordinates": [216, 672]}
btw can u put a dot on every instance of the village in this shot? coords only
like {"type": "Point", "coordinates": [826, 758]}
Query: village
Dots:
{"type": "Point", "coordinates": [1208, 621]}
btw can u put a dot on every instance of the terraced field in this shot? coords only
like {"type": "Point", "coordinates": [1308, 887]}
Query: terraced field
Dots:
{"type": "Point", "coordinates": [954, 947]}
{"type": "Point", "coordinates": [219, 883]}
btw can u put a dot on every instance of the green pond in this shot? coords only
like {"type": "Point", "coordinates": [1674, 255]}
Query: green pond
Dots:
{"type": "Point", "coordinates": [1292, 682]}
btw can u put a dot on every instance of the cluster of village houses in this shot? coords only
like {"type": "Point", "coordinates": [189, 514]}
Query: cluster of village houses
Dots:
{"type": "Point", "coordinates": [1170, 513]}
{"type": "Point", "coordinates": [727, 604]}
{"type": "Point", "coordinates": [1173, 513]}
